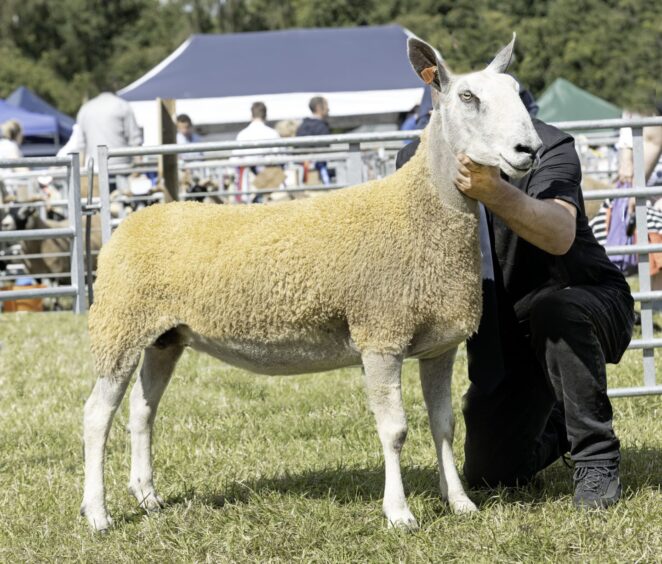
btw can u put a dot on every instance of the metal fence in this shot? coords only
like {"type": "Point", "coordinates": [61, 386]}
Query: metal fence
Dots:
{"type": "Point", "coordinates": [74, 232]}
{"type": "Point", "coordinates": [345, 149]}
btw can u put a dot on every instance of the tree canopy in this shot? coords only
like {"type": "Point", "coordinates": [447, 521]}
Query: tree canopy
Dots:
{"type": "Point", "coordinates": [73, 49]}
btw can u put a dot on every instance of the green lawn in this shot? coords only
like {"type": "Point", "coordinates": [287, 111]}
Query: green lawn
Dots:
{"type": "Point", "coordinates": [283, 469]}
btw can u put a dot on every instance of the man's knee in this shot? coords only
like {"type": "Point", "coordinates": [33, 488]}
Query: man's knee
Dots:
{"type": "Point", "coordinates": [558, 316]}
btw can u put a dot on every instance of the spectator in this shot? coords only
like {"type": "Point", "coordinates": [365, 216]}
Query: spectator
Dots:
{"type": "Point", "coordinates": [257, 129]}
{"type": "Point", "coordinates": [186, 134]}
{"type": "Point", "coordinates": [12, 137]}
{"type": "Point", "coordinates": [317, 125]}
{"type": "Point", "coordinates": [410, 119]}
{"type": "Point", "coordinates": [185, 130]}
{"type": "Point", "coordinates": [107, 120]}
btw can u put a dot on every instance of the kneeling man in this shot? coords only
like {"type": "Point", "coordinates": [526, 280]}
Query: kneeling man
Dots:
{"type": "Point", "coordinates": [556, 311]}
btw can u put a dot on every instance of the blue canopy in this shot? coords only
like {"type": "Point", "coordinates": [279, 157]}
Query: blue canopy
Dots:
{"type": "Point", "coordinates": [279, 62]}
{"type": "Point", "coordinates": [24, 98]}
{"type": "Point", "coordinates": [33, 124]}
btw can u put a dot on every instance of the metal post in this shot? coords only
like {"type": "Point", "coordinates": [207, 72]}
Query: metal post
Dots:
{"type": "Point", "coordinates": [76, 223]}
{"type": "Point", "coordinates": [644, 265]}
{"type": "Point", "coordinates": [104, 194]}
{"type": "Point", "coordinates": [354, 165]}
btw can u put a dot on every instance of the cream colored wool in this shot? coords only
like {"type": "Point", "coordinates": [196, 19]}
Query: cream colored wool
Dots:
{"type": "Point", "coordinates": [387, 257]}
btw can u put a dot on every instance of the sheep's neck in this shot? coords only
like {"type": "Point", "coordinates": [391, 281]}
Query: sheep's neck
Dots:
{"type": "Point", "coordinates": [441, 164]}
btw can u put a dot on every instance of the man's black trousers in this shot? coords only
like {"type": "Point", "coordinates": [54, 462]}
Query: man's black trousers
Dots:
{"type": "Point", "coordinates": [553, 397]}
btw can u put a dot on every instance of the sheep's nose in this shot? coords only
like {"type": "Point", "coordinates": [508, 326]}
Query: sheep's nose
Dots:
{"type": "Point", "coordinates": [525, 149]}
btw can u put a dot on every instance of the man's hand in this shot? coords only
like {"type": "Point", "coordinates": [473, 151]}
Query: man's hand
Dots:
{"type": "Point", "coordinates": [480, 182]}
{"type": "Point", "coordinates": [547, 224]}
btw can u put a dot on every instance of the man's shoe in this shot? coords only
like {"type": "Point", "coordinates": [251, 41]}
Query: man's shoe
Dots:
{"type": "Point", "coordinates": [597, 485]}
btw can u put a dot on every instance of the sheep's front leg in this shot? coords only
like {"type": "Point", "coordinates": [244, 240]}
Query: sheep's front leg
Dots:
{"type": "Point", "coordinates": [382, 377]}
{"type": "Point", "coordinates": [436, 378]}
{"type": "Point", "coordinates": [158, 366]}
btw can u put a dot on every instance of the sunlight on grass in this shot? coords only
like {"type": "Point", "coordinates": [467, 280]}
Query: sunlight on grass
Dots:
{"type": "Point", "coordinates": [283, 469]}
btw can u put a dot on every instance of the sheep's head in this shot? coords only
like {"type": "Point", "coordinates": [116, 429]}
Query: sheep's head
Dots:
{"type": "Point", "coordinates": [481, 112]}
{"type": "Point", "coordinates": [17, 218]}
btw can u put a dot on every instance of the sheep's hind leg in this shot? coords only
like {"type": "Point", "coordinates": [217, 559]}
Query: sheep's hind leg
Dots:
{"type": "Point", "coordinates": [98, 417]}
{"type": "Point", "coordinates": [382, 377]}
{"type": "Point", "coordinates": [158, 366]}
{"type": "Point", "coordinates": [436, 377]}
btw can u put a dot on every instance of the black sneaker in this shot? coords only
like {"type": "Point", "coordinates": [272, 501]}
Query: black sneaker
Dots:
{"type": "Point", "coordinates": [597, 485]}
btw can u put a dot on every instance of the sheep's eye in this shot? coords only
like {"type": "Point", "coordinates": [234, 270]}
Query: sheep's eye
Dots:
{"type": "Point", "coordinates": [466, 96]}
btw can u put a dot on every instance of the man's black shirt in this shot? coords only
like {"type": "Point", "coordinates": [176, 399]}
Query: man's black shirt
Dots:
{"type": "Point", "coordinates": [529, 272]}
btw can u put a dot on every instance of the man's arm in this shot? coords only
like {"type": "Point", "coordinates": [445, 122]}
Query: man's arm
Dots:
{"type": "Point", "coordinates": [549, 224]}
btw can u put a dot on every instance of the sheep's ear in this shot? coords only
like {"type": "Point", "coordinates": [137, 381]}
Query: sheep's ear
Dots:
{"type": "Point", "coordinates": [428, 64]}
{"type": "Point", "coordinates": [502, 60]}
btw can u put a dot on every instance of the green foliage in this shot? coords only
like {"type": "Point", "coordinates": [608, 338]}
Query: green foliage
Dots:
{"type": "Point", "coordinates": [72, 49]}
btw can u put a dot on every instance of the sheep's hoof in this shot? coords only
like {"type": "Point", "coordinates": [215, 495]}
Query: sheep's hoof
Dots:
{"type": "Point", "coordinates": [404, 521]}
{"type": "Point", "coordinates": [153, 503]}
{"type": "Point", "coordinates": [463, 505]}
{"type": "Point", "coordinates": [99, 521]}
{"type": "Point", "coordinates": [147, 498]}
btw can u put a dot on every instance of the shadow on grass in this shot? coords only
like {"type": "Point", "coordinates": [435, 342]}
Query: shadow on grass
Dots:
{"type": "Point", "coordinates": [640, 469]}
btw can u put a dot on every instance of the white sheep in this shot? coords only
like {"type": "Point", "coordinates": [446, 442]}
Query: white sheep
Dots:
{"type": "Point", "coordinates": [369, 275]}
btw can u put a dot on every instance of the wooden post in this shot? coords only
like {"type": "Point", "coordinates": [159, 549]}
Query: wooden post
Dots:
{"type": "Point", "coordinates": [168, 170]}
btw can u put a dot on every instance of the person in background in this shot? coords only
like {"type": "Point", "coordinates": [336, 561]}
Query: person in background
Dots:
{"type": "Point", "coordinates": [185, 130]}
{"type": "Point", "coordinates": [12, 137]}
{"type": "Point", "coordinates": [257, 129]}
{"type": "Point", "coordinates": [108, 120]}
{"type": "Point", "coordinates": [410, 119]}
{"type": "Point", "coordinates": [186, 134]}
{"type": "Point", "coordinates": [317, 125]}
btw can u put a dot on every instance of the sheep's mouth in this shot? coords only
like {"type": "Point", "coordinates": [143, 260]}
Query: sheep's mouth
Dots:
{"type": "Point", "coordinates": [517, 168]}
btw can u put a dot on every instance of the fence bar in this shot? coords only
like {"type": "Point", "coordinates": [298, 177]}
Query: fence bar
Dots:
{"type": "Point", "coordinates": [644, 343]}
{"type": "Point", "coordinates": [621, 193]}
{"type": "Point", "coordinates": [36, 234]}
{"type": "Point", "coordinates": [104, 194]}
{"type": "Point", "coordinates": [631, 392]}
{"type": "Point", "coordinates": [644, 264]}
{"type": "Point", "coordinates": [34, 162]}
{"type": "Point", "coordinates": [75, 220]}
{"type": "Point", "coordinates": [37, 293]}
{"type": "Point", "coordinates": [647, 296]}
{"type": "Point", "coordinates": [634, 249]}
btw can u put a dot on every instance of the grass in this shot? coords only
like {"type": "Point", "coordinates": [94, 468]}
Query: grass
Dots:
{"type": "Point", "coordinates": [283, 469]}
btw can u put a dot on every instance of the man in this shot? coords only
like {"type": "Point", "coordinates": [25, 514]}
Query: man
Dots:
{"type": "Point", "coordinates": [107, 120]}
{"type": "Point", "coordinates": [257, 129]}
{"type": "Point", "coordinates": [185, 130]}
{"type": "Point", "coordinates": [317, 125]}
{"type": "Point", "coordinates": [555, 313]}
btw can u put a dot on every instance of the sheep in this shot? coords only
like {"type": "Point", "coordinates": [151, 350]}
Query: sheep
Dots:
{"type": "Point", "coordinates": [369, 275]}
{"type": "Point", "coordinates": [26, 218]}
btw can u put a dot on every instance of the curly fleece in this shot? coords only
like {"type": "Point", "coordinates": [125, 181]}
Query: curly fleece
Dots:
{"type": "Point", "coordinates": [387, 257]}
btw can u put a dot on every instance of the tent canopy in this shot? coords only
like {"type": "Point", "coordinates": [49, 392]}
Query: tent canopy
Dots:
{"type": "Point", "coordinates": [563, 101]}
{"type": "Point", "coordinates": [33, 124]}
{"type": "Point", "coordinates": [215, 78]}
{"type": "Point", "coordinates": [277, 62]}
{"type": "Point", "coordinates": [24, 98]}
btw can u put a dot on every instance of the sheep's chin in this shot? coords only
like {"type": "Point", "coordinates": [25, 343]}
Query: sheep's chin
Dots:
{"type": "Point", "coordinates": [512, 172]}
